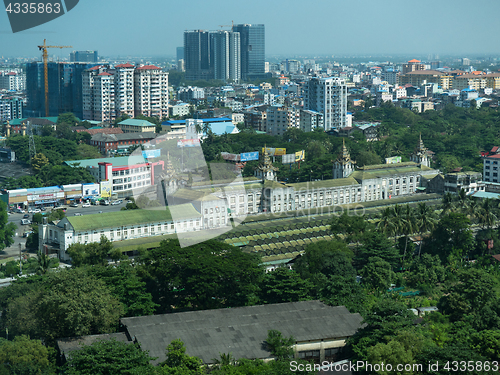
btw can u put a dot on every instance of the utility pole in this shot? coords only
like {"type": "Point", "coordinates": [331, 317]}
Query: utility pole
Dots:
{"type": "Point", "coordinates": [20, 259]}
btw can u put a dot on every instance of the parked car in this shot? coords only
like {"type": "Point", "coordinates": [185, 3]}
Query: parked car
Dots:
{"type": "Point", "coordinates": [86, 205]}
{"type": "Point", "coordinates": [36, 211]}
{"type": "Point", "coordinates": [26, 216]}
{"type": "Point", "coordinates": [78, 214]}
{"type": "Point", "coordinates": [73, 205]}
{"type": "Point", "coordinates": [99, 212]}
{"type": "Point", "coordinates": [25, 222]}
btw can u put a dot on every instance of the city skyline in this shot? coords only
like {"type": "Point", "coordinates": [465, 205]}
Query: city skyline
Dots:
{"type": "Point", "coordinates": [333, 28]}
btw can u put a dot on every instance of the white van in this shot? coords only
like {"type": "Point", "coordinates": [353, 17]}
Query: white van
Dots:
{"type": "Point", "coordinates": [25, 222]}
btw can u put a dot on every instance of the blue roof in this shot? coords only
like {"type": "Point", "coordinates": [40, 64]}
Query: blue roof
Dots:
{"type": "Point", "coordinates": [210, 120]}
{"type": "Point", "coordinates": [484, 194]}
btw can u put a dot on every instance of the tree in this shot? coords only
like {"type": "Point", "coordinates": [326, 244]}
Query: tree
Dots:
{"type": "Point", "coordinates": [109, 357]}
{"type": "Point", "coordinates": [377, 274]}
{"type": "Point", "coordinates": [475, 291]}
{"type": "Point", "coordinates": [313, 261]}
{"type": "Point", "coordinates": [25, 357]}
{"type": "Point", "coordinates": [343, 291]}
{"type": "Point", "coordinates": [61, 304]}
{"type": "Point", "coordinates": [376, 244]}
{"type": "Point", "coordinates": [203, 276]}
{"type": "Point", "coordinates": [87, 152]}
{"type": "Point", "coordinates": [284, 285]}
{"type": "Point", "coordinates": [426, 270]}
{"type": "Point", "coordinates": [351, 226]}
{"type": "Point", "coordinates": [451, 237]}
{"type": "Point", "coordinates": [124, 284]}
{"type": "Point", "coordinates": [7, 230]}
{"type": "Point", "coordinates": [386, 318]}
{"type": "Point", "coordinates": [178, 362]}
{"type": "Point", "coordinates": [425, 220]}
{"type": "Point", "coordinates": [279, 346]}
{"type": "Point", "coordinates": [93, 253]}
{"type": "Point", "coordinates": [38, 161]}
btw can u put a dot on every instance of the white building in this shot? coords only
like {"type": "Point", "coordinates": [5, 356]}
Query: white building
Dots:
{"type": "Point", "coordinates": [116, 226]}
{"type": "Point", "coordinates": [12, 81]}
{"type": "Point", "coordinates": [150, 91]}
{"type": "Point", "coordinates": [124, 89]}
{"type": "Point", "coordinates": [328, 96]}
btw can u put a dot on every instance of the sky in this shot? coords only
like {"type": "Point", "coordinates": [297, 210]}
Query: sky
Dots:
{"type": "Point", "coordinates": [293, 27]}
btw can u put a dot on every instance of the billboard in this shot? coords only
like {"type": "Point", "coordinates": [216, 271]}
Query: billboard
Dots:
{"type": "Point", "coordinates": [148, 154]}
{"type": "Point", "coordinates": [274, 151]}
{"type": "Point", "coordinates": [230, 157]}
{"type": "Point", "coordinates": [300, 155]}
{"type": "Point", "coordinates": [247, 156]}
{"type": "Point", "coordinates": [393, 160]}
{"type": "Point", "coordinates": [288, 159]}
{"type": "Point", "coordinates": [105, 189]}
{"type": "Point", "coordinates": [188, 143]}
{"type": "Point", "coordinates": [90, 189]}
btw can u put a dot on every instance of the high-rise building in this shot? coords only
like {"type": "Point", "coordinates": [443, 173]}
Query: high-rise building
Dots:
{"type": "Point", "coordinates": [83, 56]}
{"type": "Point", "coordinates": [150, 91]}
{"type": "Point", "coordinates": [98, 94]}
{"type": "Point", "coordinates": [253, 48]}
{"type": "Point", "coordinates": [226, 55]}
{"type": "Point", "coordinates": [124, 89]}
{"type": "Point", "coordinates": [64, 88]}
{"type": "Point", "coordinates": [197, 55]}
{"type": "Point", "coordinates": [328, 96]}
{"type": "Point", "coordinates": [10, 108]}
{"type": "Point", "coordinates": [12, 81]}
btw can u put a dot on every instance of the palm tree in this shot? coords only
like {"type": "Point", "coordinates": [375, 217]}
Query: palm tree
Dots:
{"type": "Point", "coordinates": [447, 203]}
{"type": "Point", "coordinates": [43, 263]}
{"type": "Point", "coordinates": [398, 221]}
{"type": "Point", "coordinates": [425, 221]}
{"type": "Point", "coordinates": [408, 225]}
{"type": "Point", "coordinates": [385, 224]}
{"type": "Point", "coordinates": [463, 201]}
{"type": "Point", "coordinates": [486, 216]}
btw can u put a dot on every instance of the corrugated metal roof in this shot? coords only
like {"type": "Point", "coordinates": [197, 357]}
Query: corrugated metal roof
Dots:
{"type": "Point", "coordinates": [241, 331]}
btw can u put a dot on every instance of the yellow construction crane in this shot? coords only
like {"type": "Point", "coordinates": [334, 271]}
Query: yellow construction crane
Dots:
{"type": "Point", "coordinates": [46, 72]}
{"type": "Point", "coordinates": [231, 26]}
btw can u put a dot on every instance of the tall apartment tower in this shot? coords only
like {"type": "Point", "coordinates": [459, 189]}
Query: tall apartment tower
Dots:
{"type": "Point", "coordinates": [124, 89]}
{"type": "Point", "coordinates": [150, 91]}
{"type": "Point", "coordinates": [226, 55]}
{"type": "Point", "coordinates": [328, 96]}
{"type": "Point", "coordinates": [197, 55]}
{"type": "Point", "coordinates": [98, 94]}
{"type": "Point", "coordinates": [253, 50]}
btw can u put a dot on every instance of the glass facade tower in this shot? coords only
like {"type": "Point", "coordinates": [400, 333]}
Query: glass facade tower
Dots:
{"type": "Point", "coordinates": [253, 50]}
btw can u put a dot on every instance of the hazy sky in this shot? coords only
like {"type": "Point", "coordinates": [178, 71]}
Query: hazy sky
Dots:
{"type": "Point", "coordinates": [293, 27]}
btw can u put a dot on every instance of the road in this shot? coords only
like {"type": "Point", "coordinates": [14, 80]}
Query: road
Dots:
{"type": "Point", "coordinates": [15, 218]}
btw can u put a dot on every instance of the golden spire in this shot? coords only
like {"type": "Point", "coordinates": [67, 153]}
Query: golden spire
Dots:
{"type": "Point", "coordinates": [344, 156]}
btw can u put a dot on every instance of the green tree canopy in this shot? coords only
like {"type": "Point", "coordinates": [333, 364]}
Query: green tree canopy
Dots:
{"type": "Point", "coordinates": [203, 276]}
{"type": "Point", "coordinates": [109, 357]}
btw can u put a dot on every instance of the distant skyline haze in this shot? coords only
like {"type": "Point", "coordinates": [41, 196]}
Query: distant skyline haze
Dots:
{"type": "Point", "coordinates": [155, 27]}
